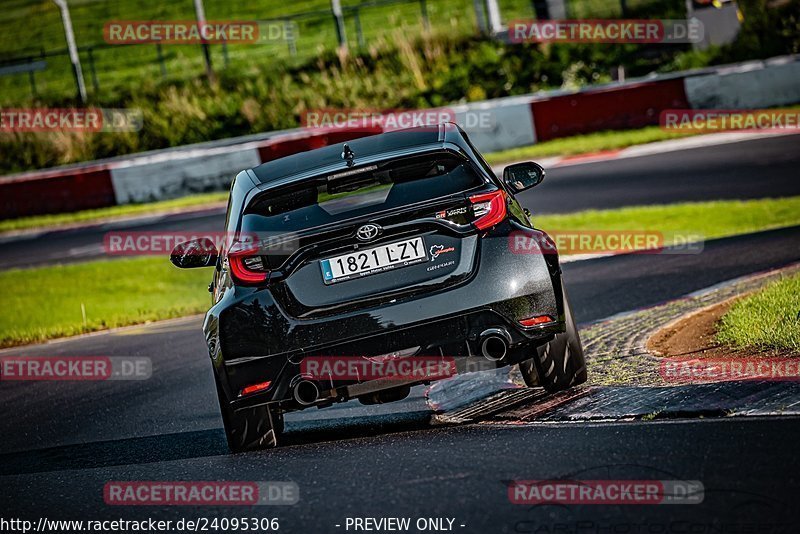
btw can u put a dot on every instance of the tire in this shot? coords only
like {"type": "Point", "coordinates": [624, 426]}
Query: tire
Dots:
{"type": "Point", "coordinates": [251, 428]}
{"type": "Point", "coordinates": [559, 364]}
{"type": "Point", "coordinates": [529, 373]}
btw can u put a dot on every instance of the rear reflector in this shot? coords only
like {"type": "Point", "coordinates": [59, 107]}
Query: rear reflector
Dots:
{"type": "Point", "coordinates": [489, 209]}
{"type": "Point", "coordinates": [255, 388]}
{"type": "Point", "coordinates": [536, 321]}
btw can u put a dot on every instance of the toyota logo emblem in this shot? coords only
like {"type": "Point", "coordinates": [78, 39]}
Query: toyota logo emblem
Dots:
{"type": "Point", "coordinates": [368, 232]}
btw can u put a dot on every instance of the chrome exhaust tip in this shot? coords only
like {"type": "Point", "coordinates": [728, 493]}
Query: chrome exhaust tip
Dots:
{"type": "Point", "coordinates": [494, 343]}
{"type": "Point", "coordinates": [305, 392]}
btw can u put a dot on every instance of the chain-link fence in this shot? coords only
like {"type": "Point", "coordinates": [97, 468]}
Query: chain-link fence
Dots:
{"type": "Point", "coordinates": [35, 61]}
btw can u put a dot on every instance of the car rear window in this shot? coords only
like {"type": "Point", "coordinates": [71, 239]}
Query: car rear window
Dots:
{"type": "Point", "coordinates": [358, 192]}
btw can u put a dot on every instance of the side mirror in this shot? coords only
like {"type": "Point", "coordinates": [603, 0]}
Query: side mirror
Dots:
{"type": "Point", "coordinates": [522, 176]}
{"type": "Point", "coordinates": [194, 253]}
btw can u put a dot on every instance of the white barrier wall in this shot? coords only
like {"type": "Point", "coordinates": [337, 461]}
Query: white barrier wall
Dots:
{"type": "Point", "coordinates": [492, 125]}
{"type": "Point", "coordinates": [748, 86]}
{"type": "Point", "coordinates": [176, 174]}
{"type": "Point", "coordinates": [498, 124]}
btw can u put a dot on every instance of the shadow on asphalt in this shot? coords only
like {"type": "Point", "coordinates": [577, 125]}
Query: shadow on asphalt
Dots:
{"type": "Point", "coordinates": [198, 444]}
{"type": "Point", "coordinates": [305, 432]}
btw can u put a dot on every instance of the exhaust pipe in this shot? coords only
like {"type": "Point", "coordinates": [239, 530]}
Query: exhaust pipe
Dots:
{"type": "Point", "coordinates": [494, 343]}
{"type": "Point", "coordinates": [305, 392]}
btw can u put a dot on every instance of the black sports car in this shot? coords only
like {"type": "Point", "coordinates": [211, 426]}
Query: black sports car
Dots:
{"type": "Point", "coordinates": [394, 247]}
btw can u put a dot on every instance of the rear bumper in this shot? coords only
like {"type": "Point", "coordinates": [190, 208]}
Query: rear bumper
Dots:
{"type": "Point", "coordinates": [455, 337]}
{"type": "Point", "coordinates": [251, 339]}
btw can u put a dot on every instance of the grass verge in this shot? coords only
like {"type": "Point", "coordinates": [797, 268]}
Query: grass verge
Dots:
{"type": "Point", "coordinates": [49, 302]}
{"type": "Point", "coordinates": [714, 219]}
{"type": "Point", "coordinates": [112, 212]}
{"type": "Point", "coordinates": [586, 144]}
{"type": "Point", "coordinates": [65, 300]}
{"type": "Point", "coordinates": [766, 320]}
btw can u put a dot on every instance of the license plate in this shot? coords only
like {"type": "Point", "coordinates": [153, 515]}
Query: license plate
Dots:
{"type": "Point", "coordinates": [373, 260]}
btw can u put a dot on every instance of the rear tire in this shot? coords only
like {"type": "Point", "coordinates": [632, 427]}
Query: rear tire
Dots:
{"type": "Point", "coordinates": [251, 428]}
{"type": "Point", "coordinates": [529, 373]}
{"type": "Point", "coordinates": [559, 364]}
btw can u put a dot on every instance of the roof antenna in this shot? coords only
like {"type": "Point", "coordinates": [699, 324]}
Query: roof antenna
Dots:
{"type": "Point", "coordinates": [348, 155]}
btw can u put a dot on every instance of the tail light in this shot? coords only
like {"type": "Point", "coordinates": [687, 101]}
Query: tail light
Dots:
{"type": "Point", "coordinates": [488, 208]}
{"type": "Point", "coordinates": [536, 321]}
{"type": "Point", "coordinates": [246, 266]}
{"type": "Point", "coordinates": [255, 388]}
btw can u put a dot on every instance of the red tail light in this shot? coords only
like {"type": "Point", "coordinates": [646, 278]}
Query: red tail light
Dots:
{"type": "Point", "coordinates": [255, 388]}
{"type": "Point", "coordinates": [246, 265]}
{"type": "Point", "coordinates": [489, 209]}
{"type": "Point", "coordinates": [536, 321]}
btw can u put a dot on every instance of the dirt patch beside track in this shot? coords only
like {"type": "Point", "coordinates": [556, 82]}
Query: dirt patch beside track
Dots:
{"type": "Point", "coordinates": [694, 336]}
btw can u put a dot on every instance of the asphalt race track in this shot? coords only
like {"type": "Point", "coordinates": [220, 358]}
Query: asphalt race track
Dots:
{"type": "Point", "coordinates": [759, 168]}
{"type": "Point", "coordinates": [63, 441]}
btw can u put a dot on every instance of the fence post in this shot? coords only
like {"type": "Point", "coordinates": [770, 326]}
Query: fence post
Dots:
{"type": "Point", "coordinates": [426, 22]}
{"type": "Point", "coordinates": [338, 18]}
{"type": "Point", "coordinates": [493, 14]}
{"type": "Point", "coordinates": [200, 13]}
{"type": "Point", "coordinates": [69, 34]}
{"type": "Point", "coordinates": [289, 29]}
{"type": "Point", "coordinates": [551, 9]}
{"type": "Point", "coordinates": [161, 60]}
{"type": "Point", "coordinates": [32, 78]}
{"type": "Point", "coordinates": [32, 75]}
{"type": "Point", "coordinates": [359, 31]}
{"type": "Point", "coordinates": [480, 15]}
{"type": "Point", "coordinates": [95, 84]}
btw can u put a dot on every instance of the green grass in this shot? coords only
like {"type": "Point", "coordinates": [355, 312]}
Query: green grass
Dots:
{"type": "Point", "coordinates": [766, 320]}
{"type": "Point", "coordinates": [45, 302]}
{"type": "Point", "coordinates": [125, 65]}
{"type": "Point", "coordinates": [714, 219]}
{"type": "Point", "coordinates": [112, 212]}
{"type": "Point", "coordinates": [586, 144]}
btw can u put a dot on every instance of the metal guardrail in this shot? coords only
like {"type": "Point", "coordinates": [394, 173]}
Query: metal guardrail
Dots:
{"type": "Point", "coordinates": [30, 68]}
{"type": "Point", "coordinates": [34, 66]}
